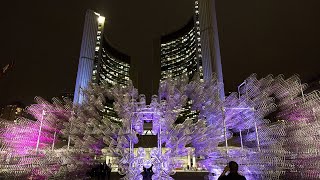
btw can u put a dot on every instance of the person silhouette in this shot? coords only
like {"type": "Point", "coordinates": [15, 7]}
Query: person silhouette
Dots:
{"type": "Point", "coordinates": [233, 172]}
{"type": "Point", "coordinates": [147, 173]}
{"type": "Point", "coordinates": [150, 172]}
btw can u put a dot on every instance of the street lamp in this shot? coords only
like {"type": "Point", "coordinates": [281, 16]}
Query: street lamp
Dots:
{"type": "Point", "coordinates": [40, 128]}
{"type": "Point", "coordinates": [55, 132]}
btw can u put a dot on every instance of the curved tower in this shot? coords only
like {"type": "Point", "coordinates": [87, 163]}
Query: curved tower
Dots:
{"type": "Point", "coordinates": [90, 49]}
{"type": "Point", "coordinates": [179, 53]}
{"type": "Point", "coordinates": [193, 48]}
{"type": "Point", "coordinates": [99, 62]}
{"type": "Point", "coordinates": [179, 56]}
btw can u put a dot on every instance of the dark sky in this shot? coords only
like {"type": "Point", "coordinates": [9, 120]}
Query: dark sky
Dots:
{"type": "Point", "coordinates": [44, 38]}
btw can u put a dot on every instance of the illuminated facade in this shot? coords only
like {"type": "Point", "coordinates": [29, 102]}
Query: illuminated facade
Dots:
{"type": "Point", "coordinates": [193, 48]}
{"type": "Point", "coordinates": [99, 62]}
{"type": "Point", "coordinates": [179, 53]}
{"type": "Point", "coordinates": [89, 53]}
{"type": "Point", "coordinates": [112, 67]}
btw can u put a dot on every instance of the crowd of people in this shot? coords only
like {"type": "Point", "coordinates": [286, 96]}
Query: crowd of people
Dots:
{"type": "Point", "coordinates": [102, 171]}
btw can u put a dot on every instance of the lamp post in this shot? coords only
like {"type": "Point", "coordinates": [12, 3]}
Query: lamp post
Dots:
{"type": "Point", "coordinates": [257, 136]}
{"type": "Point", "coordinates": [241, 139]}
{"type": "Point", "coordinates": [55, 132]}
{"type": "Point", "coordinates": [69, 138]}
{"type": "Point", "coordinates": [242, 84]}
{"type": "Point", "coordinates": [54, 139]}
{"type": "Point", "coordinates": [40, 128]}
{"type": "Point", "coordinates": [255, 123]}
{"type": "Point", "coordinates": [225, 128]}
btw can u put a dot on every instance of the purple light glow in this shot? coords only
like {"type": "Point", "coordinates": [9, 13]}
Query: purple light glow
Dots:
{"type": "Point", "coordinates": [267, 150]}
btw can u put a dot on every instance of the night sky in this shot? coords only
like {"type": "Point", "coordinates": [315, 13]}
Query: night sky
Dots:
{"type": "Point", "coordinates": [256, 36]}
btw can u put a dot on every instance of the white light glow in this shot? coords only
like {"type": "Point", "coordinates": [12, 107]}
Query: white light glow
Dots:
{"type": "Point", "coordinates": [101, 19]}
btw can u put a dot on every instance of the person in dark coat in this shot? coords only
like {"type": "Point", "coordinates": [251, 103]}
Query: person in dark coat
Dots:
{"type": "Point", "coordinates": [232, 168]}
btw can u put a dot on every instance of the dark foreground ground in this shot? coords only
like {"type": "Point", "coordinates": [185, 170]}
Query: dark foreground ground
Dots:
{"type": "Point", "coordinates": [177, 176]}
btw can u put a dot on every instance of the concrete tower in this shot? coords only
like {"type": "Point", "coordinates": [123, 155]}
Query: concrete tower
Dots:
{"type": "Point", "coordinates": [91, 45]}
{"type": "Point", "coordinates": [207, 28]}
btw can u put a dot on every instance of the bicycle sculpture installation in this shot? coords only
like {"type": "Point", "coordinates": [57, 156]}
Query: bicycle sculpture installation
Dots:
{"type": "Point", "coordinates": [234, 128]}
